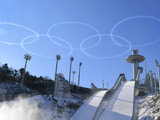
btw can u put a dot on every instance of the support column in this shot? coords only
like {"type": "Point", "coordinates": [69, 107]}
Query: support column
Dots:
{"type": "Point", "coordinates": [135, 69]}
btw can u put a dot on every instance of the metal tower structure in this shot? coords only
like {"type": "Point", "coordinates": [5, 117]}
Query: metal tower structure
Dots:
{"type": "Point", "coordinates": [26, 57]}
{"type": "Point", "coordinates": [80, 64]}
{"type": "Point", "coordinates": [135, 59]}
{"type": "Point", "coordinates": [58, 57]}
{"type": "Point", "coordinates": [73, 73]}
{"type": "Point", "coordinates": [71, 60]}
{"type": "Point", "coordinates": [103, 84]}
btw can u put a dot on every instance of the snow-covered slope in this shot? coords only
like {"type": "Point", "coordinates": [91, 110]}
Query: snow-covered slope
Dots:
{"type": "Point", "coordinates": [148, 108]}
{"type": "Point", "coordinates": [120, 107]}
{"type": "Point", "coordinates": [39, 108]}
{"type": "Point", "coordinates": [9, 91]}
{"type": "Point", "coordinates": [88, 109]}
{"type": "Point", "coordinates": [18, 102]}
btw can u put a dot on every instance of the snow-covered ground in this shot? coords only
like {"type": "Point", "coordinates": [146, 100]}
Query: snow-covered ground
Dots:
{"type": "Point", "coordinates": [9, 91]}
{"type": "Point", "coordinates": [39, 108]}
{"type": "Point", "coordinates": [89, 108]}
{"type": "Point", "coordinates": [18, 102]}
{"type": "Point", "coordinates": [120, 107]}
{"type": "Point", "coordinates": [148, 107]}
{"type": "Point", "coordinates": [45, 107]}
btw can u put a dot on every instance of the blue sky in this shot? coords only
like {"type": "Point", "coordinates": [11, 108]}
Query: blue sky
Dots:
{"type": "Point", "coordinates": [39, 15]}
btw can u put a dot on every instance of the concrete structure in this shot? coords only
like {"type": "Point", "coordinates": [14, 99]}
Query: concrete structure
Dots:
{"type": "Point", "coordinates": [147, 81]}
{"type": "Point", "coordinates": [121, 105]}
{"type": "Point", "coordinates": [61, 87]}
{"type": "Point", "coordinates": [155, 85]}
{"type": "Point", "coordinates": [89, 108]}
{"type": "Point", "coordinates": [140, 70]}
{"type": "Point", "coordinates": [158, 66]}
{"type": "Point", "coordinates": [151, 80]}
{"type": "Point", "coordinates": [135, 59]}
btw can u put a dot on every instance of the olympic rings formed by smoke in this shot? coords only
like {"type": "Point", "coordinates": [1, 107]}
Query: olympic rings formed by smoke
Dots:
{"type": "Point", "coordinates": [51, 39]}
{"type": "Point", "coordinates": [77, 23]}
{"type": "Point", "coordinates": [98, 34]}
{"type": "Point", "coordinates": [131, 18]}
{"type": "Point", "coordinates": [20, 26]}
{"type": "Point", "coordinates": [115, 56]}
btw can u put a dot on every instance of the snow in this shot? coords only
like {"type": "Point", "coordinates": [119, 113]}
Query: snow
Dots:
{"type": "Point", "coordinates": [148, 107]}
{"type": "Point", "coordinates": [39, 107]}
{"type": "Point", "coordinates": [9, 91]}
{"type": "Point", "coordinates": [46, 107]}
{"type": "Point", "coordinates": [88, 109]}
{"type": "Point", "coordinates": [121, 105]}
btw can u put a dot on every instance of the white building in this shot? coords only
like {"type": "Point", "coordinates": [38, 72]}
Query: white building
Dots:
{"type": "Point", "coordinates": [62, 88]}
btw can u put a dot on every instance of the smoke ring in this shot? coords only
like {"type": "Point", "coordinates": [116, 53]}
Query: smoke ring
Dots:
{"type": "Point", "coordinates": [79, 23]}
{"type": "Point", "coordinates": [51, 39]}
{"type": "Point", "coordinates": [110, 57]}
{"type": "Point", "coordinates": [130, 18]}
{"type": "Point", "coordinates": [20, 26]}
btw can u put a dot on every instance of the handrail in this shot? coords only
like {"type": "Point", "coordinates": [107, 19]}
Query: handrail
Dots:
{"type": "Point", "coordinates": [118, 82]}
{"type": "Point", "coordinates": [111, 91]}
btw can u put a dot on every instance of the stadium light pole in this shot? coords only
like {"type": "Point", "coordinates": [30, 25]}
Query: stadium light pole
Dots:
{"type": "Point", "coordinates": [103, 84]}
{"type": "Point", "coordinates": [58, 57]}
{"type": "Point", "coordinates": [71, 60]}
{"type": "Point", "coordinates": [73, 73]}
{"type": "Point", "coordinates": [26, 57]}
{"type": "Point", "coordinates": [80, 64]}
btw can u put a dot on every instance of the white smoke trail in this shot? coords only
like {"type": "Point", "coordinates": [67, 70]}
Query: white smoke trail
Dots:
{"type": "Point", "coordinates": [129, 47]}
{"type": "Point", "coordinates": [18, 26]}
{"type": "Point", "coordinates": [33, 108]}
{"type": "Point", "coordinates": [131, 18]}
{"type": "Point", "coordinates": [20, 110]}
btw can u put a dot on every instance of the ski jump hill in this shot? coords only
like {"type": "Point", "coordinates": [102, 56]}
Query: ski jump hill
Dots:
{"type": "Point", "coordinates": [120, 105]}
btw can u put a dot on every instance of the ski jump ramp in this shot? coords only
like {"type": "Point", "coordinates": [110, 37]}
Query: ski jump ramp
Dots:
{"type": "Point", "coordinates": [88, 109]}
{"type": "Point", "coordinates": [121, 105]}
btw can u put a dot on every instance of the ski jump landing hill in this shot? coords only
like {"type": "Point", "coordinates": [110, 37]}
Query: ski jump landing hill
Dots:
{"type": "Point", "coordinates": [119, 107]}
{"type": "Point", "coordinates": [89, 108]}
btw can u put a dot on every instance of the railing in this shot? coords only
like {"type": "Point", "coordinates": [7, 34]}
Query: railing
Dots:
{"type": "Point", "coordinates": [120, 79]}
{"type": "Point", "coordinates": [110, 92]}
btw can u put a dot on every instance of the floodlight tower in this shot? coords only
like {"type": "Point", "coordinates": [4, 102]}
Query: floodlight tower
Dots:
{"type": "Point", "coordinates": [26, 57]}
{"type": "Point", "coordinates": [58, 57]}
{"type": "Point", "coordinates": [73, 73]}
{"type": "Point", "coordinates": [71, 60]}
{"type": "Point", "coordinates": [158, 66]}
{"type": "Point", "coordinates": [135, 59]}
{"type": "Point", "coordinates": [80, 64]}
{"type": "Point", "coordinates": [103, 85]}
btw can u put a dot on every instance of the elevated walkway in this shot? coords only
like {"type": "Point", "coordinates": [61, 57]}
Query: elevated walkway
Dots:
{"type": "Point", "coordinates": [89, 108]}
